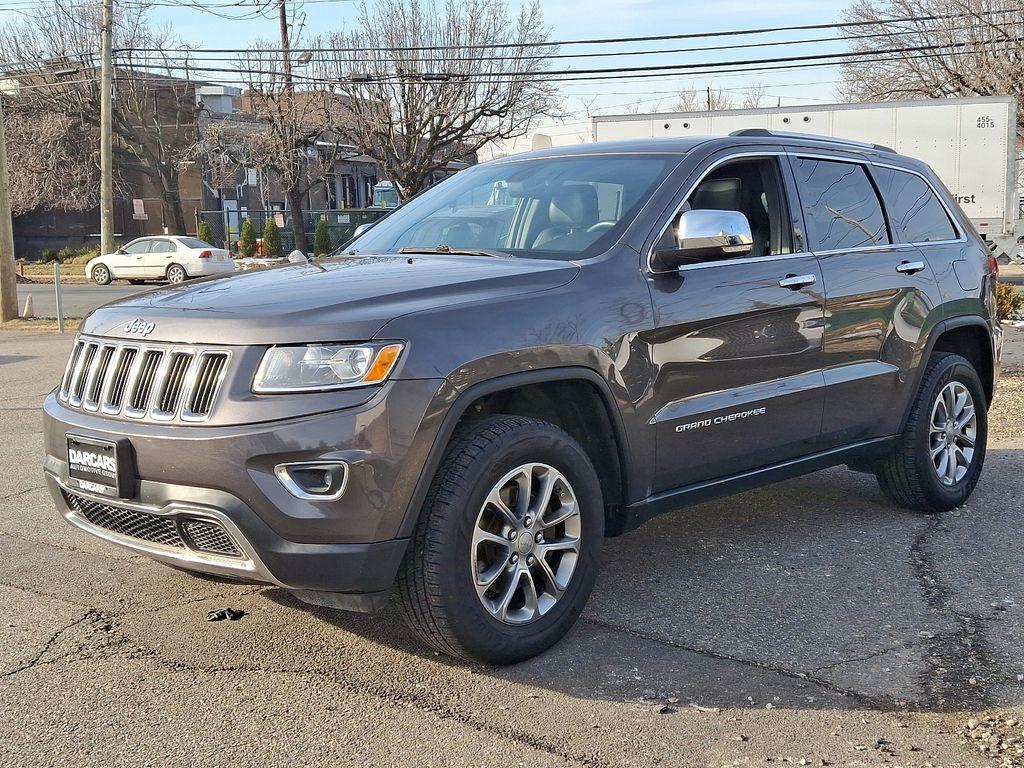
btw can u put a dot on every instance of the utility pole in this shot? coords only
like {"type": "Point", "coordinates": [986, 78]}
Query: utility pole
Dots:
{"type": "Point", "coordinates": [106, 129]}
{"type": "Point", "coordinates": [286, 53]}
{"type": "Point", "coordinates": [8, 282]}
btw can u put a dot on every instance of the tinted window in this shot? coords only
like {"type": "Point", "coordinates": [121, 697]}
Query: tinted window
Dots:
{"type": "Point", "coordinates": [914, 210]}
{"type": "Point", "coordinates": [552, 207]}
{"type": "Point", "coordinates": [191, 242]}
{"type": "Point", "coordinates": [161, 246]}
{"type": "Point", "coordinates": [841, 208]}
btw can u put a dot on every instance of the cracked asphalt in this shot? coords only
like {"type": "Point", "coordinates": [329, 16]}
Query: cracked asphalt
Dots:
{"type": "Point", "coordinates": [808, 623]}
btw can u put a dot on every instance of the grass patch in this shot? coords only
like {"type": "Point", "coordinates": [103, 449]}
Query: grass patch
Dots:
{"type": "Point", "coordinates": [46, 270]}
{"type": "Point", "coordinates": [41, 324]}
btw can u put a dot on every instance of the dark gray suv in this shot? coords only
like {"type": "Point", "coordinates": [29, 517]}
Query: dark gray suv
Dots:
{"type": "Point", "coordinates": [535, 354]}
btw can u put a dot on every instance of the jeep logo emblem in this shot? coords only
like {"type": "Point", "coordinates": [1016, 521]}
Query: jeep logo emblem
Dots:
{"type": "Point", "coordinates": [139, 326]}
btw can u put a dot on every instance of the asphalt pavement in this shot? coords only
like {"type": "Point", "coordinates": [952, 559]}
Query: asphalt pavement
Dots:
{"type": "Point", "coordinates": [79, 299]}
{"type": "Point", "coordinates": [807, 623]}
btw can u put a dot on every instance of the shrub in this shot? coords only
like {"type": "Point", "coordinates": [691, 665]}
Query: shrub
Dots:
{"type": "Point", "coordinates": [322, 244]}
{"type": "Point", "coordinates": [204, 233]}
{"type": "Point", "coordinates": [67, 255]}
{"type": "Point", "coordinates": [47, 255]}
{"type": "Point", "coordinates": [1009, 301]}
{"type": "Point", "coordinates": [247, 240]}
{"type": "Point", "coordinates": [271, 239]}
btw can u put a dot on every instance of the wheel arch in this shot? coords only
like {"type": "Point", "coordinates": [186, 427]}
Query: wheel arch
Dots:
{"type": "Point", "coordinates": [175, 264]}
{"type": "Point", "coordinates": [534, 393]}
{"type": "Point", "coordinates": [967, 335]}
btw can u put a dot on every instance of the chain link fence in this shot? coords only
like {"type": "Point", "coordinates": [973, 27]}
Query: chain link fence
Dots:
{"type": "Point", "coordinates": [225, 226]}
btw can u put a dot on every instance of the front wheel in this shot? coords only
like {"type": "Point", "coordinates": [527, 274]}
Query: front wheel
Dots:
{"type": "Point", "coordinates": [101, 275]}
{"type": "Point", "coordinates": [176, 274]}
{"type": "Point", "coordinates": [505, 553]}
{"type": "Point", "coordinates": [938, 458]}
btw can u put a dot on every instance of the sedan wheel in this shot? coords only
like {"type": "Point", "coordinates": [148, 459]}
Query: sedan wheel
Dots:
{"type": "Point", "coordinates": [176, 275]}
{"type": "Point", "coordinates": [101, 275]}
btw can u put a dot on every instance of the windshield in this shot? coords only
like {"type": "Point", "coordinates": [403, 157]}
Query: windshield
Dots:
{"type": "Point", "coordinates": [559, 207]}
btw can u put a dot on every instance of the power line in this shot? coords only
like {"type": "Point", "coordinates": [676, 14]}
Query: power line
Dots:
{"type": "Point", "coordinates": [611, 40]}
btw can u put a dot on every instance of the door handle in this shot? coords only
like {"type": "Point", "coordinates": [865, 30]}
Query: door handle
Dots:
{"type": "Point", "coordinates": [796, 282]}
{"type": "Point", "coordinates": [910, 267]}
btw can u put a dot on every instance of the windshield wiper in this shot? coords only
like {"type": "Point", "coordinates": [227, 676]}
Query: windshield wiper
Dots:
{"type": "Point", "coordinates": [447, 249]}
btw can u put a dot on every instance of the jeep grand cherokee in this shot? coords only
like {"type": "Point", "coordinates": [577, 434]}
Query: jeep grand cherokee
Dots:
{"type": "Point", "coordinates": [535, 354]}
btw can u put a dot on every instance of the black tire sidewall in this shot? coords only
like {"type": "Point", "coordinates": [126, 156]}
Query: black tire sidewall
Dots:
{"type": "Point", "coordinates": [953, 368]}
{"type": "Point", "coordinates": [172, 269]}
{"type": "Point", "coordinates": [476, 630]}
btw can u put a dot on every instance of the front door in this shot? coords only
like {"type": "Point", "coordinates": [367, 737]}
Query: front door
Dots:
{"type": "Point", "coordinates": [737, 348]}
{"type": "Point", "coordinates": [880, 293]}
{"type": "Point", "coordinates": [131, 260]}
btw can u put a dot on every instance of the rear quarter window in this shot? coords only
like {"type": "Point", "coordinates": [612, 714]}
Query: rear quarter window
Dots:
{"type": "Point", "coordinates": [915, 212]}
{"type": "Point", "coordinates": [841, 208]}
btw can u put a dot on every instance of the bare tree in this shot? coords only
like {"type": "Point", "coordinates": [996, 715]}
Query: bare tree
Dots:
{"type": "Point", "coordinates": [425, 83]}
{"type": "Point", "coordinates": [754, 96]}
{"type": "Point", "coordinates": [57, 77]}
{"type": "Point", "coordinates": [967, 48]}
{"type": "Point", "coordinates": [703, 100]}
{"type": "Point", "coordinates": [286, 130]}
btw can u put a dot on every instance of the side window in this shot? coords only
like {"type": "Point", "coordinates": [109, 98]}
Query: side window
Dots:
{"type": "Point", "coordinates": [137, 247]}
{"type": "Point", "coordinates": [841, 207]}
{"type": "Point", "coordinates": [914, 210]}
{"type": "Point", "coordinates": [752, 186]}
{"type": "Point", "coordinates": [162, 246]}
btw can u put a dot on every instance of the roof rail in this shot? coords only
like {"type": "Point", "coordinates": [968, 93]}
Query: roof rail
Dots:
{"type": "Point", "coordinates": [811, 137]}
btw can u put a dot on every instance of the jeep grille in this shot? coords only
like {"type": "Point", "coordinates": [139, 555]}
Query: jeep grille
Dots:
{"type": "Point", "coordinates": [143, 381]}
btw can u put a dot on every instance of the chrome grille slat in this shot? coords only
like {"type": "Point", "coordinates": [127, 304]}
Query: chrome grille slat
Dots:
{"type": "Point", "coordinates": [114, 396]}
{"type": "Point", "coordinates": [211, 369]}
{"type": "Point", "coordinates": [97, 375]}
{"type": "Point", "coordinates": [81, 371]}
{"type": "Point", "coordinates": [160, 382]}
{"type": "Point", "coordinates": [142, 388]}
{"type": "Point", "coordinates": [172, 380]}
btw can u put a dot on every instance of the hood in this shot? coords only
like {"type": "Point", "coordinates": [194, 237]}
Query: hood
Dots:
{"type": "Point", "coordinates": [349, 299]}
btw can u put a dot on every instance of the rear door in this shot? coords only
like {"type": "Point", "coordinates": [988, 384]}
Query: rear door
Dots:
{"type": "Point", "coordinates": [160, 256]}
{"type": "Point", "coordinates": [879, 294]}
{"type": "Point", "coordinates": [737, 347]}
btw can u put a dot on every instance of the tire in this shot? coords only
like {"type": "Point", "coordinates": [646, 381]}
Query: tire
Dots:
{"type": "Point", "coordinates": [910, 476]}
{"type": "Point", "coordinates": [436, 583]}
{"type": "Point", "coordinates": [101, 274]}
{"type": "Point", "coordinates": [176, 274]}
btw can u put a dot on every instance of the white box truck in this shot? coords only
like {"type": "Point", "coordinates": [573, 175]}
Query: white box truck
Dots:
{"type": "Point", "coordinates": [971, 144]}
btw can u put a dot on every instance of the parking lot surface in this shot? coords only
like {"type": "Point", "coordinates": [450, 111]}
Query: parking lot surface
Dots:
{"type": "Point", "coordinates": [808, 623]}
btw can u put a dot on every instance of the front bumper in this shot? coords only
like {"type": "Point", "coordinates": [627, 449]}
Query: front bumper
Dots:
{"type": "Point", "coordinates": [225, 475]}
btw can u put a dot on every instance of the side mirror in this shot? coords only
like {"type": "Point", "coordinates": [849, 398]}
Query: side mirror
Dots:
{"type": "Point", "coordinates": [362, 229]}
{"type": "Point", "coordinates": [707, 235]}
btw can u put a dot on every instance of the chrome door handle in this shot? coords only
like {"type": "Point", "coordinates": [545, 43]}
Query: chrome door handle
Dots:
{"type": "Point", "coordinates": [796, 282]}
{"type": "Point", "coordinates": [910, 267]}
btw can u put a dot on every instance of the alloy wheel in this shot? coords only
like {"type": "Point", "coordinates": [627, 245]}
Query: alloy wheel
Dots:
{"type": "Point", "coordinates": [175, 275]}
{"type": "Point", "coordinates": [953, 432]}
{"type": "Point", "coordinates": [526, 543]}
{"type": "Point", "coordinates": [99, 274]}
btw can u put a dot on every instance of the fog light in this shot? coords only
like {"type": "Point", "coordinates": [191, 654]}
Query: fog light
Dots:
{"type": "Point", "coordinates": [313, 480]}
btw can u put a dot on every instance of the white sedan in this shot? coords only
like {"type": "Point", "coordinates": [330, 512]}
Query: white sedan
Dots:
{"type": "Point", "coordinates": [165, 257]}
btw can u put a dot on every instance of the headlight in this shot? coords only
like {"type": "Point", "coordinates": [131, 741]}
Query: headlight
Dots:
{"type": "Point", "coordinates": [314, 367]}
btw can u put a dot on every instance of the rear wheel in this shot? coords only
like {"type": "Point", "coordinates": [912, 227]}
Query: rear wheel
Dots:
{"type": "Point", "coordinates": [939, 456]}
{"type": "Point", "coordinates": [101, 275]}
{"type": "Point", "coordinates": [505, 553]}
{"type": "Point", "coordinates": [176, 274]}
